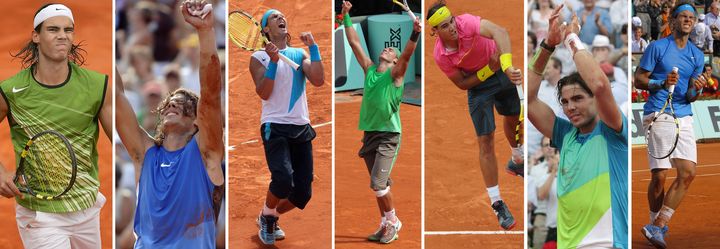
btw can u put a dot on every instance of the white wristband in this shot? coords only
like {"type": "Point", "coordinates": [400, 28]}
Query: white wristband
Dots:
{"type": "Point", "coordinates": [573, 43]}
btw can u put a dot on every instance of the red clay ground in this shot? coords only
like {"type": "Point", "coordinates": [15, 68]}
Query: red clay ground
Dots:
{"type": "Point", "coordinates": [695, 223]}
{"type": "Point", "coordinates": [249, 176]}
{"type": "Point", "coordinates": [455, 195]}
{"type": "Point", "coordinates": [356, 211]}
{"type": "Point", "coordinates": [93, 21]}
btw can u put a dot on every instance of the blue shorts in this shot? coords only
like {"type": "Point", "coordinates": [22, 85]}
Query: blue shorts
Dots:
{"type": "Point", "coordinates": [496, 91]}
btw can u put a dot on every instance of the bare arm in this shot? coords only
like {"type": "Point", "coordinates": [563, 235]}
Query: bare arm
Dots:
{"type": "Point", "coordinates": [134, 138]}
{"type": "Point", "coordinates": [7, 186]}
{"type": "Point", "coordinates": [209, 112]}
{"type": "Point", "coordinates": [105, 116]}
{"type": "Point", "coordinates": [642, 79]}
{"type": "Point", "coordinates": [263, 86]}
{"type": "Point", "coordinates": [544, 190]}
{"type": "Point", "coordinates": [502, 40]}
{"type": "Point", "coordinates": [352, 37]}
{"type": "Point", "coordinates": [314, 70]}
{"type": "Point", "coordinates": [598, 83]}
{"type": "Point", "coordinates": [539, 113]}
{"type": "Point", "coordinates": [398, 71]}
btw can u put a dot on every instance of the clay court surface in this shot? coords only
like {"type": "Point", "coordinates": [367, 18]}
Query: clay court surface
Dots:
{"type": "Point", "coordinates": [695, 223]}
{"type": "Point", "coordinates": [93, 26]}
{"type": "Point", "coordinates": [356, 211]}
{"type": "Point", "coordinates": [455, 195]}
{"type": "Point", "coordinates": [249, 176]}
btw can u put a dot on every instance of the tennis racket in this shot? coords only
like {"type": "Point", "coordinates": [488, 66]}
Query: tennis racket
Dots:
{"type": "Point", "coordinates": [245, 32]}
{"type": "Point", "coordinates": [47, 166]}
{"type": "Point", "coordinates": [521, 118]}
{"type": "Point", "coordinates": [663, 132]}
{"type": "Point", "coordinates": [405, 7]}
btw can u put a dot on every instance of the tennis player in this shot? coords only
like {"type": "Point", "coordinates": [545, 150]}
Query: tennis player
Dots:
{"type": "Point", "coordinates": [592, 178]}
{"type": "Point", "coordinates": [467, 52]}
{"type": "Point", "coordinates": [179, 168]}
{"type": "Point", "coordinates": [380, 120]}
{"type": "Point", "coordinates": [53, 92]}
{"type": "Point", "coordinates": [285, 121]}
{"type": "Point", "coordinates": [655, 74]}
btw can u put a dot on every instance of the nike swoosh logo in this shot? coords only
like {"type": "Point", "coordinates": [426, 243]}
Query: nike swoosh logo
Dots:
{"type": "Point", "coordinates": [383, 170]}
{"type": "Point", "coordinates": [58, 9]}
{"type": "Point", "coordinates": [165, 165]}
{"type": "Point", "coordinates": [15, 90]}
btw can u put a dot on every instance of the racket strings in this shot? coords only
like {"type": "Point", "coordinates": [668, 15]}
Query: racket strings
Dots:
{"type": "Point", "coordinates": [245, 32]}
{"type": "Point", "coordinates": [662, 136]}
{"type": "Point", "coordinates": [49, 166]}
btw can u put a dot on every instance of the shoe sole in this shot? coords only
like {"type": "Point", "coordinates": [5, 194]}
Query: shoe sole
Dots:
{"type": "Point", "coordinates": [510, 227]}
{"type": "Point", "coordinates": [512, 173]}
{"type": "Point", "coordinates": [649, 238]}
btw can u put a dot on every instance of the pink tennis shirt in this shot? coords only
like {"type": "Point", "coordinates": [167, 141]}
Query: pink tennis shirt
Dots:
{"type": "Point", "coordinates": [474, 50]}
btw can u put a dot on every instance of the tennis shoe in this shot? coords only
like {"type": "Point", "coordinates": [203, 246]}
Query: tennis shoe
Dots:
{"type": "Point", "coordinates": [504, 216]}
{"type": "Point", "coordinates": [279, 233]}
{"type": "Point", "coordinates": [377, 235]}
{"type": "Point", "coordinates": [515, 169]}
{"type": "Point", "coordinates": [655, 235]}
{"type": "Point", "coordinates": [267, 229]}
{"type": "Point", "coordinates": [391, 231]}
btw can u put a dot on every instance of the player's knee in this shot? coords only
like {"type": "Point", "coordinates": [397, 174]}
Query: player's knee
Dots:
{"type": "Point", "coordinates": [380, 192]}
{"type": "Point", "coordinates": [687, 176]}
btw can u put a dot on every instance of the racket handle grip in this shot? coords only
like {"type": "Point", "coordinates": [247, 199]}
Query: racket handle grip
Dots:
{"type": "Point", "coordinates": [671, 88]}
{"type": "Point", "coordinates": [519, 89]}
{"type": "Point", "coordinates": [289, 62]}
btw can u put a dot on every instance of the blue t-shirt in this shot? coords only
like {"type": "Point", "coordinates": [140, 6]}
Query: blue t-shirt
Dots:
{"type": "Point", "coordinates": [174, 205]}
{"type": "Point", "coordinates": [590, 28]}
{"type": "Point", "coordinates": [659, 59]}
{"type": "Point", "coordinates": [592, 185]}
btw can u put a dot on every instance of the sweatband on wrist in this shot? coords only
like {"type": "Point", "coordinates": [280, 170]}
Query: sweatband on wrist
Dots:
{"type": "Point", "coordinates": [540, 60]}
{"type": "Point", "coordinates": [484, 73]}
{"type": "Point", "coordinates": [414, 36]}
{"type": "Point", "coordinates": [574, 44]}
{"type": "Point", "coordinates": [314, 53]}
{"type": "Point", "coordinates": [346, 21]}
{"type": "Point", "coordinates": [656, 84]}
{"type": "Point", "coordinates": [505, 61]}
{"type": "Point", "coordinates": [270, 71]}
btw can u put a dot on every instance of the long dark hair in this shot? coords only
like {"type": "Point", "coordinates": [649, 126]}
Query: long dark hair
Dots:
{"type": "Point", "coordinates": [572, 79]}
{"type": "Point", "coordinates": [29, 55]}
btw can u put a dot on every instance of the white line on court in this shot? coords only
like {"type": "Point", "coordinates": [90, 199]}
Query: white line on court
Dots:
{"type": "Point", "coordinates": [699, 166]}
{"type": "Point", "coordinates": [717, 174]}
{"type": "Point", "coordinates": [232, 147]}
{"type": "Point", "coordinates": [474, 232]}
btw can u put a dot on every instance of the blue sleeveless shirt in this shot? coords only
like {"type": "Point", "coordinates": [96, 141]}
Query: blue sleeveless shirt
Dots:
{"type": "Point", "coordinates": [174, 205]}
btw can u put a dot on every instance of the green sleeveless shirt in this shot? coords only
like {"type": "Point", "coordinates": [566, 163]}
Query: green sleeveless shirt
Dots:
{"type": "Point", "coordinates": [70, 108]}
{"type": "Point", "coordinates": [380, 108]}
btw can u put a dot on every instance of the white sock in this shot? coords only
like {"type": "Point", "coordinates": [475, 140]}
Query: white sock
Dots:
{"type": "Point", "coordinates": [382, 220]}
{"type": "Point", "coordinates": [494, 193]}
{"type": "Point", "coordinates": [269, 211]}
{"type": "Point", "coordinates": [390, 216]}
{"type": "Point", "coordinates": [653, 216]}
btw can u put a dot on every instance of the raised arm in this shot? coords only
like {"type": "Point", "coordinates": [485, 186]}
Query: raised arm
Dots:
{"type": "Point", "coordinates": [352, 37]}
{"type": "Point", "coordinates": [596, 80]}
{"type": "Point", "coordinates": [312, 64]}
{"type": "Point", "coordinates": [539, 113]}
{"type": "Point", "coordinates": [209, 112]}
{"type": "Point", "coordinates": [398, 71]}
{"type": "Point", "coordinates": [134, 138]}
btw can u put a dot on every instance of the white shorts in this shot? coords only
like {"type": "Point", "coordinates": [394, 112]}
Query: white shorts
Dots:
{"type": "Point", "coordinates": [79, 229]}
{"type": "Point", "coordinates": [686, 147]}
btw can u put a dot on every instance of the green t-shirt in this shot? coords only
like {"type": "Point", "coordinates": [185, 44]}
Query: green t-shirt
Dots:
{"type": "Point", "coordinates": [70, 108]}
{"type": "Point", "coordinates": [380, 109]}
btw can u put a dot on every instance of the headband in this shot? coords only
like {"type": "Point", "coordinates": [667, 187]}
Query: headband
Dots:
{"type": "Point", "coordinates": [682, 8]}
{"type": "Point", "coordinates": [440, 15]}
{"type": "Point", "coordinates": [50, 11]}
{"type": "Point", "coordinates": [265, 16]}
